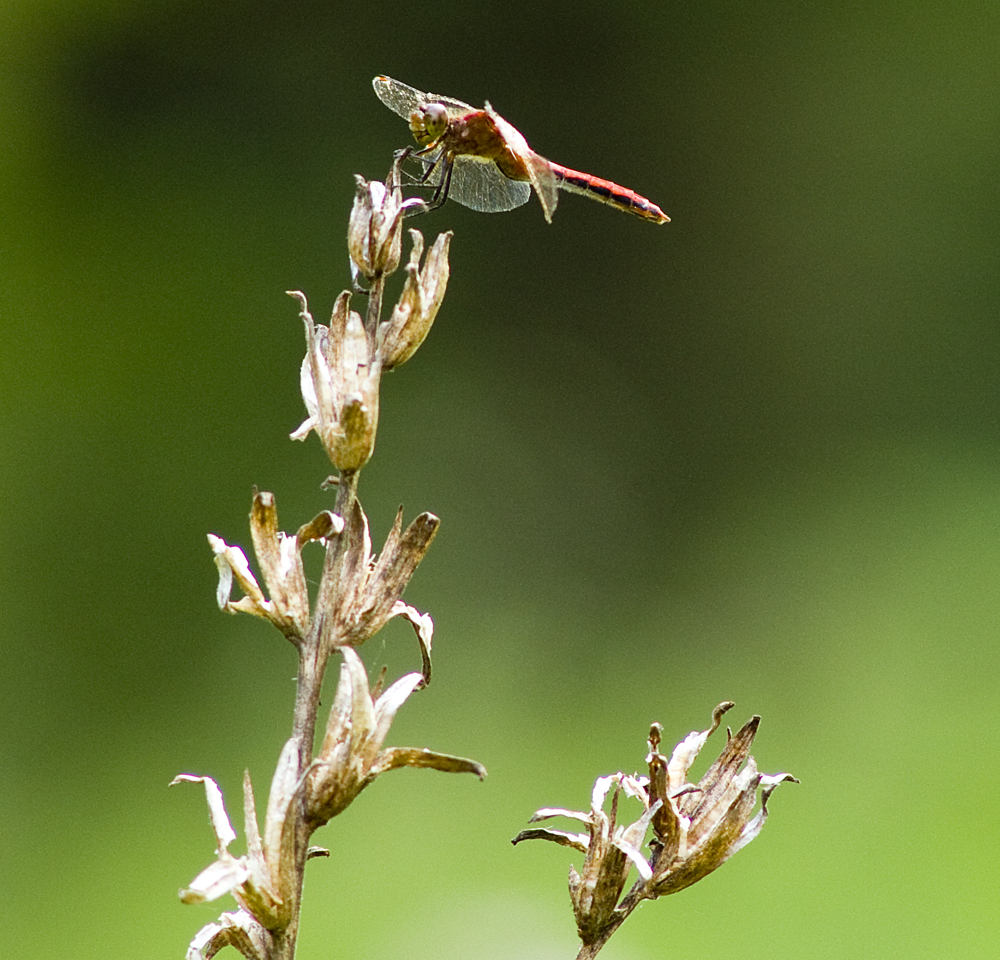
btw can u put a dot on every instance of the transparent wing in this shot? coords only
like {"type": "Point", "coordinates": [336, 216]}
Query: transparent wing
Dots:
{"type": "Point", "coordinates": [539, 170]}
{"type": "Point", "coordinates": [403, 100]}
{"type": "Point", "coordinates": [479, 185]}
{"type": "Point", "coordinates": [476, 183]}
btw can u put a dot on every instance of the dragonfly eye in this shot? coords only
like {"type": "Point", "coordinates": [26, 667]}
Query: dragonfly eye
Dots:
{"type": "Point", "coordinates": [429, 122]}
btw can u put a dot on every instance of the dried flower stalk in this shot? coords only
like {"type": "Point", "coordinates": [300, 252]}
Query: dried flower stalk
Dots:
{"type": "Point", "coordinates": [358, 594]}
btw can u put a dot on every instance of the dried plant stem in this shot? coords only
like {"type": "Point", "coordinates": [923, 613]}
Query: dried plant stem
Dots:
{"type": "Point", "coordinates": [314, 652]}
{"type": "Point", "coordinates": [635, 896]}
{"type": "Point", "coordinates": [374, 313]}
{"type": "Point", "coordinates": [358, 594]}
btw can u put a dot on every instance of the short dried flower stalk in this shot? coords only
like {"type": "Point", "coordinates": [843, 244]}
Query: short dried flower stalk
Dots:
{"type": "Point", "coordinates": [696, 828]}
{"type": "Point", "coordinates": [358, 594]}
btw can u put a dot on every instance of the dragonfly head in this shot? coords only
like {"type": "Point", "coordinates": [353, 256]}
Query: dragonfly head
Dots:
{"type": "Point", "coordinates": [428, 123]}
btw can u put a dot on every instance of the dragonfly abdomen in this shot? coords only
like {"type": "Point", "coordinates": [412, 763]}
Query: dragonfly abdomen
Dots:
{"type": "Point", "coordinates": [604, 191]}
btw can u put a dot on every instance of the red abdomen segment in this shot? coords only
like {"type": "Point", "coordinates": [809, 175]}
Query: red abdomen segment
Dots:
{"type": "Point", "coordinates": [604, 191]}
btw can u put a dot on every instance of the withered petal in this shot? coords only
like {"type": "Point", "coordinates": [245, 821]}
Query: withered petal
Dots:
{"type": "Point", "coordinates": [279, 821]}
{"type": "Point", "coordinates": [547, 813]}
{"type": "Point", "coordinates": [423, 627]}
{"type": "Point", "coordinates": [635, 855]}
{"type": "Point", "coordinates": [281, 565]}
{"type": "Point", "coordinates": [395, 757]}
{"type": "Point", "coordinates": [387, 705]}
{"type": "Point", "coordinates": [237, 929]}
{"type": "Point", "coordinates": [768, 784]}
{"type": "Point", "coordinates": [324, 525]}
{"type": "Point", "coordinates": [686, 752]}
{"type": "Point", "coordinates": [221, 824]}
{"type": "Point", "coordinates": [392, 572]}
{"type": "Point", "coordinates": [217, 879]}
{"type": "Point", "coordinates": [578, 841]}
{"type": "Point", "coordinates": [235, 561]}
{"type": "Point", "coordinates": [362, 709]}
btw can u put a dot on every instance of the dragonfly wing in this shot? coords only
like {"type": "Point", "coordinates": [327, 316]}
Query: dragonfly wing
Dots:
{"type": "Point", "coordinates": [479, 185]}
{"type": "Point", "coordinates": [539, 170]}
{"type": "Point", "coordinates": [545, 183]}
{"type": "Point", "coordinates": [475, 183]}
{"type": "Point", "coordinates": [403, 100]}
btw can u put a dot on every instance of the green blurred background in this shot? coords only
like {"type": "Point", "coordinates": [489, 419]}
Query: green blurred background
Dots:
{"type": "Point", "coordinates": [749, 455]}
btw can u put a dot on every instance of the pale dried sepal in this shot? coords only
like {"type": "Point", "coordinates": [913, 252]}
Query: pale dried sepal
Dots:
{"type": "Point", "coordinates": [386, 707]}
{"type": "Point", "coordinates": [218, 878]}
{"type": "Point", "coordinates": [419, 302]}
{"type": "Point", "coordinates": [232, 562]}
{"type": "Point", "coordinates": [221, 825]}
{"type": "Point", "coordinates": [354, 572]}
{"type": "Point", "coordinates": [374, 235]}
{"type": "Point", "coordinates": [324, 526]}
{"type": "Point", "coordinates": [390, 575]}
{"type": "Point", "coordinates": [345, 345]}
{"type": "Point", "coordinates": [340, 725]}
{"type": "Point", "coordinates": [423, 626]}
{"type": "Point", "coordinates": [237, 929]}
{"type": "Point", "coordinates": [391, 544]}
{"type": "Point", "coordinates": [314, 376]}
{"type": "Point", "coordinates": [340, 385]}
{"type": "Point", "coordinates": [362, 706]}
{"type": "Point", "coordinates": [369, 588]}
{"type": "Point", "coordinates": [393, 758]}
{"type": "Point", "coordinates": [281, 564]}
{"type": "Point", "coordinates": [353, 441]}
{"type": "Point", "coordinates": [340, 771]}
{"type": "Point", "coordinates": [701, 827]}
{"type": "Point", "coordinates": [279, 822]}
{"type": "Point", "coordinates": [255, 849]}
{"type": "Point", "coordinates": [352, 756]}
{"type": "Point", "coordinates": [721, 783]}
{"type": "Point", "coordinates": [578, 841]}
{"type": "Point", "coordinates": [257, 896]}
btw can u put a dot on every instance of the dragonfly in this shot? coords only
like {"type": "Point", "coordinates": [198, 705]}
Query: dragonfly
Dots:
{"type": "Point", "coordinates": [479, 159]}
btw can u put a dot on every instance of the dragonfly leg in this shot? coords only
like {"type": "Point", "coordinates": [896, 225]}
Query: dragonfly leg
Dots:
{"type": "Point", "coordinates": [399, 177]}
{"type": "Point", "coordinates": [441, 194]}
{"type": "Point", "coordinates": [440, 189]}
